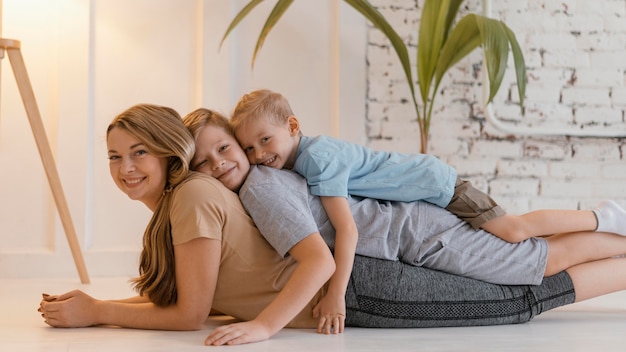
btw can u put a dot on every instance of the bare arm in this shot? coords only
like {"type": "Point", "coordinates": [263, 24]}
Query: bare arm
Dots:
{"type": "Point", "coordinates": [197, 264]}
{"type": "Point", "coordinates": [331, 310]}
{"type": "Point", "coordinates": [315, 266]}
{"type": "Point", "coordinates": [136, 299]}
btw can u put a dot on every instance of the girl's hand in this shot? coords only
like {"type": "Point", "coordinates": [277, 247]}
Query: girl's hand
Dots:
{"type": "Point", "coordinates": [237, 334]}
{"type": "Point", "coordinates": [331, 312]}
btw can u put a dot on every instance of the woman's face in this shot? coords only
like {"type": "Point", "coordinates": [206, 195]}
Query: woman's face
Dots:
{"type": "Point", "coordinates": [138, 173]}
{"type": "Point", "coordinates": [219, 155]}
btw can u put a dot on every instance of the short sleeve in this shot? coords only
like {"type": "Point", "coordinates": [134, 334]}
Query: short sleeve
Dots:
{"type": "Point", "coordinates": [198, 209]}
{"type": "Point", "coordinates": [278, 204]}
{"type": "Point", "coordinates": [324, 171]}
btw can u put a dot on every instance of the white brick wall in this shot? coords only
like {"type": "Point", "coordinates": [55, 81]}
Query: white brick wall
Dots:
{"type": "Point", "coordinates": [575, 53]}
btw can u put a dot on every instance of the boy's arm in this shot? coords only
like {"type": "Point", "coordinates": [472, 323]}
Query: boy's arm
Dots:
{"type": "Point", "coordinates": [332, 308]}
{"type": "Point", "coordinates": [315, 266]}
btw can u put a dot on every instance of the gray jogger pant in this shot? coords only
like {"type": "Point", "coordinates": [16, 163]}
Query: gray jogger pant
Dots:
{"type": "Point", "coordinates": [388, 294]}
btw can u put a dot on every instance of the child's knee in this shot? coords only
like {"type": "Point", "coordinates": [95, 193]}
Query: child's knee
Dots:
{"type": "Point", "coordinates": [508, 228]}
{"type": "Point", "coordinates": [514, 235]}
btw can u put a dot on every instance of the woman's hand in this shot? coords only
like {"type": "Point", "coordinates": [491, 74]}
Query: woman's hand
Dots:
{"type": "Point", "coordinates": [331, 311]}
{"type": "Point", "coordinates": [74, 309]}
{"type": "Point", "coordinates": [238, 333]}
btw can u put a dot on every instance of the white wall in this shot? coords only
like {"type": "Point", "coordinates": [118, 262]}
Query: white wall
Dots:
{"type": "Point", "coordinates": [89, 60]}
{"type": "Point", "coordinates": [575, 54]}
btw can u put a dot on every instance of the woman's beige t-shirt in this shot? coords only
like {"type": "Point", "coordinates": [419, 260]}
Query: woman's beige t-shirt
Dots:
{"type": "Point", "coordinates": [251, 272]}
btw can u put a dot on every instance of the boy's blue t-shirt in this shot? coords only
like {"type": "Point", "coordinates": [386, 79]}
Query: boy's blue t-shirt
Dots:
{"type": "Point", "coordinates": [333, 167]}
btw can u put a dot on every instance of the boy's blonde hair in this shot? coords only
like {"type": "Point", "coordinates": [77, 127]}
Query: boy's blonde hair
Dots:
{"type": "Point", "coordinates": [262, 103]}
{"type": "Point", "coordinates": [199, 118]}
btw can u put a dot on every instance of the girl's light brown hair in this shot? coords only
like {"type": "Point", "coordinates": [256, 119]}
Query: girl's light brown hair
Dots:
{"type": "Point", "coordinates": [162, 131]}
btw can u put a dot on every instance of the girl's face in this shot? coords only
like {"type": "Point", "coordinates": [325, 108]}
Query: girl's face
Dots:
{"type": "Point", "coordinates": [219, 155]}
{"type": "Point", "coordinates": [136, 172]}
{"type": "Point", "coordinates": [266, 143]}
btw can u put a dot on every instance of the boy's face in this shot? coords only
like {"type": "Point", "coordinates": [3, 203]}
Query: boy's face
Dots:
{"type": "Point", "coordinates": [219, 155]}
{"type": "Point", "coordinates": [266, 143]}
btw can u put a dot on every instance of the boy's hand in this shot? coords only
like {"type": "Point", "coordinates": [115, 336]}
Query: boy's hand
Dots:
{"type": "Point", "coordinates": [331, 312]}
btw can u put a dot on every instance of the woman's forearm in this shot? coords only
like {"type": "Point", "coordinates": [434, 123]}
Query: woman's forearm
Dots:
{"type": "Point", "coordinates": [77, 309]}
{"type": "Point", "coordinates": [146, 316]}
{"type": "Point", "coordinates": [197, 263]}
{"type": "Point", "coordinates": [135, 299]}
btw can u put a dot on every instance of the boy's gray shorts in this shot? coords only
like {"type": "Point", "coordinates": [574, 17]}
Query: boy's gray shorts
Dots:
{"type": "Point", "coordinates": [462, 250]}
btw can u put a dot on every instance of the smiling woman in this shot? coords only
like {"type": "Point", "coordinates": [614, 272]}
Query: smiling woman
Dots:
{"type": "Point", "coordinates": [149, 155]}
{"type": "Point", "coordinates": [132, 167]}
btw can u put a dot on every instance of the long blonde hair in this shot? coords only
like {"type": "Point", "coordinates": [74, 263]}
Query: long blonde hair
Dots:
{"type": "Point", "coordinates": [162, 131]}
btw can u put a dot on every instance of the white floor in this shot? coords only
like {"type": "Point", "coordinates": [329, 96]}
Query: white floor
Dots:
{"type": "Point", "coordinates": [595, 325]}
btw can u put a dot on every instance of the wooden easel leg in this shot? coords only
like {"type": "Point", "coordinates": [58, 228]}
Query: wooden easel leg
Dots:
{"type": "Point", "coordinates": [36, 124]}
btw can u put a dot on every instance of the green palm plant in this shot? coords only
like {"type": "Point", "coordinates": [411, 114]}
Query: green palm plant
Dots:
{"type": "Point", "coordinates": [441, 45]}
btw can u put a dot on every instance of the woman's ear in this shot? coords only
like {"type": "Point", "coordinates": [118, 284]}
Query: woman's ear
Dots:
{"type": "Point", "coordinates": [294, 125]}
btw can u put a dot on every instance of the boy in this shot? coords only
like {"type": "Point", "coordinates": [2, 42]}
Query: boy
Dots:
{"type": "Point", "coordinates": [270, 135]}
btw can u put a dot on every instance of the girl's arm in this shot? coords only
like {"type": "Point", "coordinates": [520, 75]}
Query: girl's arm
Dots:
{"type": "Point", "coordinates": [315, 266]}
{"type": "Point", "coordinates": [331, 310]}
{"type": "Point", "coordinates": [197, 264]}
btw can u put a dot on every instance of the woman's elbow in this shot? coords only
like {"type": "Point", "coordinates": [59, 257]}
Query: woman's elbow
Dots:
{"type": "Point", "coordinates": [191, 320]}
{"type": "Point", "coordinates": [192, 324]}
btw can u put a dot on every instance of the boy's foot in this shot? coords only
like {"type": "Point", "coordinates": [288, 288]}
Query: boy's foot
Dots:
{"type": "Point", "coordinates": [611, 217]}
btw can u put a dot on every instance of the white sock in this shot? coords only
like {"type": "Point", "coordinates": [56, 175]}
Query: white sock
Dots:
{"type": "Point", "coordinates": [611, 217]}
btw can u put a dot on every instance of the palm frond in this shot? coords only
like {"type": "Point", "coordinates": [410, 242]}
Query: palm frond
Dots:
{"type": "Point", "coordinates": [437, 17]}
{"type": "Point", "coordinates": [379, 21]}
{"type": "Point", "coordinates": [496, 51]}
{"type": "Point", "coordinates": [240, 16]}
{"type": "Point", "coordinates": [277, 12]}
{"type": "Point", "coordinates": [453, 10]}
{"type": "Point", "coordinates": [464, 38]}
{"type": "Point", "coordinates": [441, 45]}
{"type": "Point", "coordinates": [519, 63]}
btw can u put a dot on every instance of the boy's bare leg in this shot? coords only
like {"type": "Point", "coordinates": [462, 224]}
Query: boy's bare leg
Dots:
{"type": "Point", "coordinates": [517, 228]}
{"type": "Point", "coordinates": [607, 217]}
